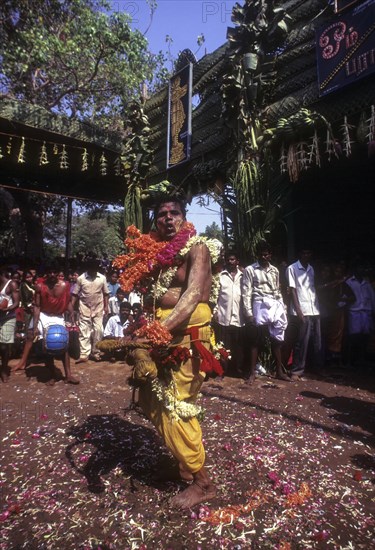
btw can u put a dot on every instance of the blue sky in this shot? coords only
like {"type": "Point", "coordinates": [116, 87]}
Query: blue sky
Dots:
{"type": "Point", "coordinates": [184, 21]}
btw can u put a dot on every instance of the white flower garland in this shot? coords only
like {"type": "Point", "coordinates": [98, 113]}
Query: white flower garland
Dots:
{"type": "Point", "coordinates": [165, 278]}
{"type": "Point", "coordinates": [177, 409]}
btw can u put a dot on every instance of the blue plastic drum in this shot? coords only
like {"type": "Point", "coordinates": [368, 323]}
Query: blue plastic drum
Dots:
{"type": "Point", "coordinates": [56, 339]}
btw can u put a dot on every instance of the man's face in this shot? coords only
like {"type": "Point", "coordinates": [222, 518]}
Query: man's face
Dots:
{"type": "Point", "coordinates": [232, 263]}
{"type": "Point", "coordinates": [136, 312]}
{"type": "Point", "coordinates": [169, 220]}
{"type": "Point", "coordinates": [51, 276]}
{"type": "Point", "coordinates": [124, 312]}
{"type": "Point", "coordinates": [120, 296]}
{"type": "Point", "coordinates": [305, 256]}
{"type": "Point", "coordinates": [264, 257]}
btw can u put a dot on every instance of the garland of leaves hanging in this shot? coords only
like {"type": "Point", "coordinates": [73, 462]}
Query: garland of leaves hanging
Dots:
{"type": "Point", "coordinates": [21, 150]}
{"type": "Point", "coordinates": [246, 89]}
{"type": "Point", "coordinates": [136, 159]}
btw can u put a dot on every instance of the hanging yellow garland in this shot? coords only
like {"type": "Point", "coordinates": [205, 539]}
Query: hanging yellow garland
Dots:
{"type": "Point", "coordinates": [85, 164]}
{"type": "Point", "coordinates": [43, 155]}
{"type": "Point", "coordinates": [21, 154]}
{"type": "Point", "coordinates": [103, 165]}
{"type": "Point", "coordinates": [64, 164]}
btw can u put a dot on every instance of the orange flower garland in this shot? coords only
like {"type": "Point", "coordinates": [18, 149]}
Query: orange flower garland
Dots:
{"type": "Point", "coordinates": [147, 255]}
{"type": "Point", "coordinates": [156, 333]}
{"type": "Point", "coordinates": [141, 259]}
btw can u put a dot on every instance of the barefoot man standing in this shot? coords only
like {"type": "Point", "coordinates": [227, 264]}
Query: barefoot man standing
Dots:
{"type": "Point", "coordinates": [182, 289]}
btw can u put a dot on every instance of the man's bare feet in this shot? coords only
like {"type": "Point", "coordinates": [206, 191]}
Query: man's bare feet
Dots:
{"type": "Point", "coordinates": [19, 367]}
{"type": "Point", "coordinates": [282, 376]}
{"type": "Point", "coordinates": [194, 494]}
{"type": "Point", "coordinates": [71, 380]}
{"type": "Point", "coordinates": [250, 380]}
{"type": "Point", "coordinates": [82, 360]}
{"type": "Point", "coordinates": [5, 376]}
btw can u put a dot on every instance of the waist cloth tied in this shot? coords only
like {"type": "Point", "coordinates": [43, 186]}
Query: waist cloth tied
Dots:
{"type": "Point", "coordinates": [184, 436]}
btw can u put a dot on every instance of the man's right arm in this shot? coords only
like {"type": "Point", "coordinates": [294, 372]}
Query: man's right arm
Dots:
{"type": "Point", "coordinates": [74, 293]}
{"type": "Point", "coordinates": [36, 309]}
{"type": "Point", "coordinates": [292, 286]}
{"type": "Point", "coordinates": [247, 294]}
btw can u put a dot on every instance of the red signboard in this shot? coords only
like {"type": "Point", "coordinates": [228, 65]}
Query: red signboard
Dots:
{"type": "Point", "coordinates": [346, 48]}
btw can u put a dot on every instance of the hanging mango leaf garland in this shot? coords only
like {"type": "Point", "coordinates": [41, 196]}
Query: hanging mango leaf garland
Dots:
{"type": "Point", "coordinates": [246, 90]}
{"type": "Point", "coordinates": [136, 159]}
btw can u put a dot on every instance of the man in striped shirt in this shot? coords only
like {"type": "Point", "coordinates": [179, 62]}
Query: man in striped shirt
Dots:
{"type": "Point", "coordinates": [264, 308]}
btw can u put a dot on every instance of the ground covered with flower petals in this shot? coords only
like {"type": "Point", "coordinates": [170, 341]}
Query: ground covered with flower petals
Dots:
{"type": "Point", "coordinates": [293, 464]}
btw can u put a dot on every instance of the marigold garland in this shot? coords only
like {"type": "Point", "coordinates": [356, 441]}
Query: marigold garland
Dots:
{"type": "Point", "coordinates": [155, 332]}
{"type": "Point", "coordinates": [148, 256]}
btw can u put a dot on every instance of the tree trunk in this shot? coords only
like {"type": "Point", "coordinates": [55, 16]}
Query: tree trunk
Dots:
{"type": "Point", "coordinates": [32, 219]}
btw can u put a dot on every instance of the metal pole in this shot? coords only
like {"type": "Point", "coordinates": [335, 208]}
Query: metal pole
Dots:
{"type": "Point", "coordinates": [68, 235]}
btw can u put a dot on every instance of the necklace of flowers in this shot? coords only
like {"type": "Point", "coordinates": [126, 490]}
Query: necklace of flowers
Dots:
{"type": "Point", "coordinates": [166, 277]}
{"type": "Point", "coordinates": [177, 409]}
{"type": "Point", "coordinates": [149, 255]}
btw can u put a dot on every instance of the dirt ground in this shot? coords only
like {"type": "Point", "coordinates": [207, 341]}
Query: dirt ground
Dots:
{"type": "Point", "coordinates": [293, 464]}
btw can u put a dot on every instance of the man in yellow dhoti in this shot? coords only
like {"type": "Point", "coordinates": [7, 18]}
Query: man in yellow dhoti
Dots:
{"type": "Point", "coordinates": [181, 291]}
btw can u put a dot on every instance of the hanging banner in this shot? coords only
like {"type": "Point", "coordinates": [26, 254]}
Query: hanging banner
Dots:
{"type": "Point", "coordinates": [346, 48]}
{"type": "Point", "coordinates": [343, 4]}
{"type": "Point", "coordinates": [179, 117]}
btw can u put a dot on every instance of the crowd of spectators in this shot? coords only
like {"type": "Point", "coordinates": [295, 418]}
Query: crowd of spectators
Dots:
{"type": "Point", "coordinates": [289, 318]}
{"type": "Point", "coordinates": [30, 295]}
{"type": "Point", "coordinates": [305, 317]}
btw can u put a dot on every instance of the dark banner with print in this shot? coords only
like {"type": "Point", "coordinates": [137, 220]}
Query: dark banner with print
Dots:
{"type": "Point", "coordinates": [179, 116]}
{"type": "Point", "coordinates": [346, 48]}
{"type": "Point", "coordinates": [343, 4]}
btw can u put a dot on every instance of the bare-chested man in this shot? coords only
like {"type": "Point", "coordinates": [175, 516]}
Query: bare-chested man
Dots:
{"type": "Point", "coordinates": [183, 308]}
{"type": "Point", "coordinates": [52, 300]}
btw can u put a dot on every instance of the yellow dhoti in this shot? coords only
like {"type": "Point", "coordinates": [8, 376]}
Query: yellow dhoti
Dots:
{"type": "Point", "coordinates": [184, 436]}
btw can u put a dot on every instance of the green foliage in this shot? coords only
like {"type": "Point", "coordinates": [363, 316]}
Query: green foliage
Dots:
{"type": "Point", "coordinates": [259, 194]}
{"type": "Point", "coordinates": [74, 57]}
{"type": "Point", "coordinates": [80, 59]}
{"type": "Point", "coordinates": [213, 231]}
{"type": "Point", "coordinates": [98, 235]}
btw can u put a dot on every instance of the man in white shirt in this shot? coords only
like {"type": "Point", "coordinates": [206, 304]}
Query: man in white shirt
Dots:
{"type": "Point", "coordinates": [115, 301]}
{"type": "Point", "coordinates": [92, 291]}
{"type": "Point", "coordinates": [304, 311]}
{"type": "Point", "coordinates": [264, 308]}
{"type": "Point", "coordinates": [228, 314]}
{"type": "Point", "coordinates": [360, 315]}
{"type": "Point", "coordinates": [117, 323]}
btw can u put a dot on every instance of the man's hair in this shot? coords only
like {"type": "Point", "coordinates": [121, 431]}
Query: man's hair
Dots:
{"type": "Point", "coordinates": [305, 245]}
{"type": "Point", "coordinates": [120, 290]}
{"type": "Point", "coordinates": [92, 263]}
{"type": "Point", "coordinates": [6, 271]}
{"type": "Point", "coordinates": [51, 268]}
{"type": "Point", "coordinates": [229, 253]}
{"type": "Point", "coordinates": [137, 305]}
{"type": "Point", "coordinates": [263, 246]}
{"type": "Point", "coordinates": [125, 305]}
